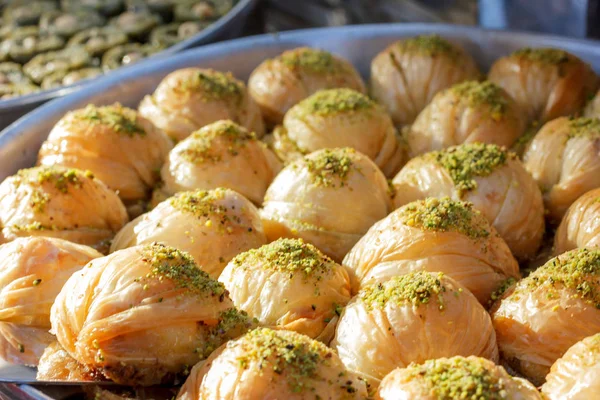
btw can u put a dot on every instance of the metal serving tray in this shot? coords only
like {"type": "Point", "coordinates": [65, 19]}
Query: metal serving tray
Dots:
{"type": "Point", "coordinates": [20, 142]}
{"type": "Point", "coordinates": [226, 27]}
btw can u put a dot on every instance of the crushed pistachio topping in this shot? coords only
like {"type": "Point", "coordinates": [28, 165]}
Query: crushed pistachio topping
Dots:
{"type": "Point", "coordinates": [460, 378]}
{"type": "Point", "coordinates": [330, 168]}
{"type": "Point", "coordinates": [445, 215]}
{"type": "Point", "coordinates": [61, 178]}
{"type": "Point", "coordinates": [34, 226]}
{"type": "Point", "coordinates": [178, 266]}
{"type": "Point", "coordinates": [544, 55]}
{"type": "Point", "coordinates": [119, 119]}
{"type": "Point", "coordinates": [312, 60]}
{"type": "Point", "coordinates": [483, 93]}
{"type": "Point", "coordinates": [504, 286]}
{"type": "Point", "coordinates": [288, 256]}
{"type": "Point", "coordinates": [204, 204]}
{"type": "Point", "coordinates": [522, 141]}
{"type": "Point", "coordinates": [577, 270]}
{"type": "Point", "coordinates": [232, 324]}
{"type": "Point", "coordinates": [213, 85]}
{"type": "Point", "coordinates": [416, 288]}
{"type": "Point", "coordinates": [466, 162]}
{"type": "Point", "coordinates": [200, 143]}
{"type": "Point", "coordinates": [429, 45]}
{"type": "Point", "coordinates": [584, 127]}
{"type": "Point", "coordinates": [327, 102]}
{"type": "Point", "coordinates": [295, 356]}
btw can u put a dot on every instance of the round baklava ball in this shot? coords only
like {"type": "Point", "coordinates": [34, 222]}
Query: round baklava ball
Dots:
{"type": "Point", "coordinates": [289, 284]}
{"type": "Point", "coordinates": [279, 83]}
{"type": "Point", "coordinates": [329, 198]}
{"type": "Point", "coordinates": [436, 235]}
{"type": "Point", "coordinates": [409, 73]}
{"type": "Point", "coordinates": [121, 148]}
{"type": "Point", "coordinates": [142, 315]}
{"type": "Point", "coordinates": [190, 98]}
{"type": "Point", "coordinates": [576, 375]}
{"type": "Point", "coordinates": [340, 118]}
{"type": "Point", "coordinates": [59, 202]}
{"type": "Point", "coordinates": [455, 378]}
{"type": "Point", "coordinates": [412, 318]}
{"type": "Point", "coordinates": [270, 364]}
{"type": "Point", "coordinates": [221, 154]}
{"type": "Point", "coordinates": [33, 270]}
{"type": "Point", "coordinates": [546, 83]}
{"type": "Point", "coordinates": [564, 160]}
{"type": "Point", "coordinates": [488, 176]}
{"type": "Point", "coordinates": [467, 112]}
{"type": "Point", "coordinates": [544, 314]}
{"type": "Point", "coordinates": [580, 227]}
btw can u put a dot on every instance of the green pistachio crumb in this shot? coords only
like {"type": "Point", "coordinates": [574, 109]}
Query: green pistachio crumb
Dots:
{"type": "Point", "coordinates": [430, 45]}
{"type": "Point", "coordinates": [120, 119]}
{"type": "Point", "coordinates": [467, 161]}
{"type": "Point", "coordinates": [214, 85]}
{"type": "Point", "coordinates": [34, 226]}
{"type": "Point", "coordinates": [445, 215]}
{"type": "Point", "coordinates": [288, 256]}
{"type": "Point", "coordinates": [61, 178]}
{"type": "Point", "coordinates": [543, 55]}
{"type": "Point", "coordinates": [232, 324]}
{"type": "Point", "coordinates": [415, 288]}
{"type": "Point", "coordinates": [584, 127]}
{"type": "Point", "coordinates": [459, 378]}
{"type": "Point", "coordinates": [330, 168]}
{"type": "Point", "coordinates": [201, 143]}
{"type": "Point", "coordinates": [204, 204]}
{"type": "Point", "coordinates": [178, 266]}
{"type": "Point", "coordinates": [333, 101]}
{"type": "Point", "coordinates": [36, 282]}
{"type": "Point", "coordinates": [483, 93]}
{"type": "Point", "coordinates": [312, 60]}
{"type": "Point", "coordinates": [504, 286]}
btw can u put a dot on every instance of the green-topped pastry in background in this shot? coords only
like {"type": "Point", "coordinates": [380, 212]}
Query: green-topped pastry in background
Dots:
{"type": "Point", "coordinates": [98, 40]}
{"type": "Point", "coordinates": [136, 24]}
{"type": "Point", "coordinates": [107, 8]}
{"type": "Point", "coordinates": [66, 78]}
{"type": "Point", "coordinates": [43, 65]}
{"type": "Point", "coordinates": [125, 54]}
{"type": "Point", "coordinates": [23, 12]}
{"type": "Point", "coordinates": [68, 23]}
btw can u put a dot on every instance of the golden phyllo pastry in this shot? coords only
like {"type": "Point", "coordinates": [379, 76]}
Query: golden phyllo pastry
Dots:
{"type": "Point", "coordinates": [409, 73]}
{"type": "Point", "coordinates": [592, 109]}
{"type": "Point", "coordinates": [33, 270]}
{"type": "Point", "coordinates": [121, 148]}
{"type": "Point", "coordinates": [141, 316]}
{"type": "Point", "coordinates": [412, 318]}
{"type": "Point", "coordinates": [290, 285]}
{"type": "Point", "coordinates": [269, 364]}
{"type": "Point", "coordinates": [190, 98]}
{"type": "Point", "coordinates": [467, 112]}
{"type": "Point", "coordinates": [488, 176]}
{"type": "Point", "coordinates": [546, 83]}
{"type": "Point", "coordinates": [544, 314]}
{"type": "Point", "coordinates": [454, 379]}
{"type": "Point", "coordinates": [58, 202]}
{"type": "Point", "coordinates": [213, 226]}
{"type": "Point", "coordinates": [281, 82]}
{"type": "Point", "coordinates": [436, 235]}
{"type": "Point", "coordinates": [222, 154]}
{"type": "Point", "coordinates": [329, 198]}
{"type": "Point", "coordinates": [580, 227]}
{"type": "Point", "coordinates": [340, 118]}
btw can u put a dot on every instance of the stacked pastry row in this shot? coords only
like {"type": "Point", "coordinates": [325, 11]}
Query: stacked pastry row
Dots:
{"type": "Point", "coordinates": [286, 264]}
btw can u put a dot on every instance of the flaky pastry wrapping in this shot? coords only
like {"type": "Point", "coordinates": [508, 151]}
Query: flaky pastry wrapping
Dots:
{"type": "Point", "coordinates": [580, 227]}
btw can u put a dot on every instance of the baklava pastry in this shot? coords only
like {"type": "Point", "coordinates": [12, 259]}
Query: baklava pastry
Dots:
{"type": "Point", "coordinates": [140, 316]}
{"type": "Point", "coordinates": [221, 154]}
{"type": "Point", "coordinates": [576, 375]}
{"type": "Point", "coordinates": [270, 364]}
{"type": "Point", "coordinates": [564, 160]}
{"type": "Point", "coordinates": [546, 83]}
{"type": "Point", "coordinates": [436, 235]}
{"type": "Point", "coordinates": [580, 227]}
{"type": "Point", "coordinates": [59, 202]}
{"type": "Point", "coordinates": [340, 118]}
{"type": "Point", "coordinates": [592, 109]}
{"type": "Point", "coordinates": [190, 98]}
{"type": "Point", "coordinates": [544, 314]}
{"type": "Point", "coordinates": [467, 112]}
{"type": "Point", "coordinates": [455, 378]}
{"type": "Point", "coordinates": [410, 319]}
{"type": "Point", "coordinates": [329, 198]}
{"type": "Point", "coordinates": [488, 176]}
{"type": "Point", "coordinates": [213, 226]}
{"type": "Point", "coordinates": [409, 73]}
{"type": "Point", "coordinates": [123, 149]}
{"type": "Point", "coordinates": [33, 270]}
{"type": "Point", "coordinates": [290, 285]}
{"type": "Point", "coordinates": [281, 82]}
